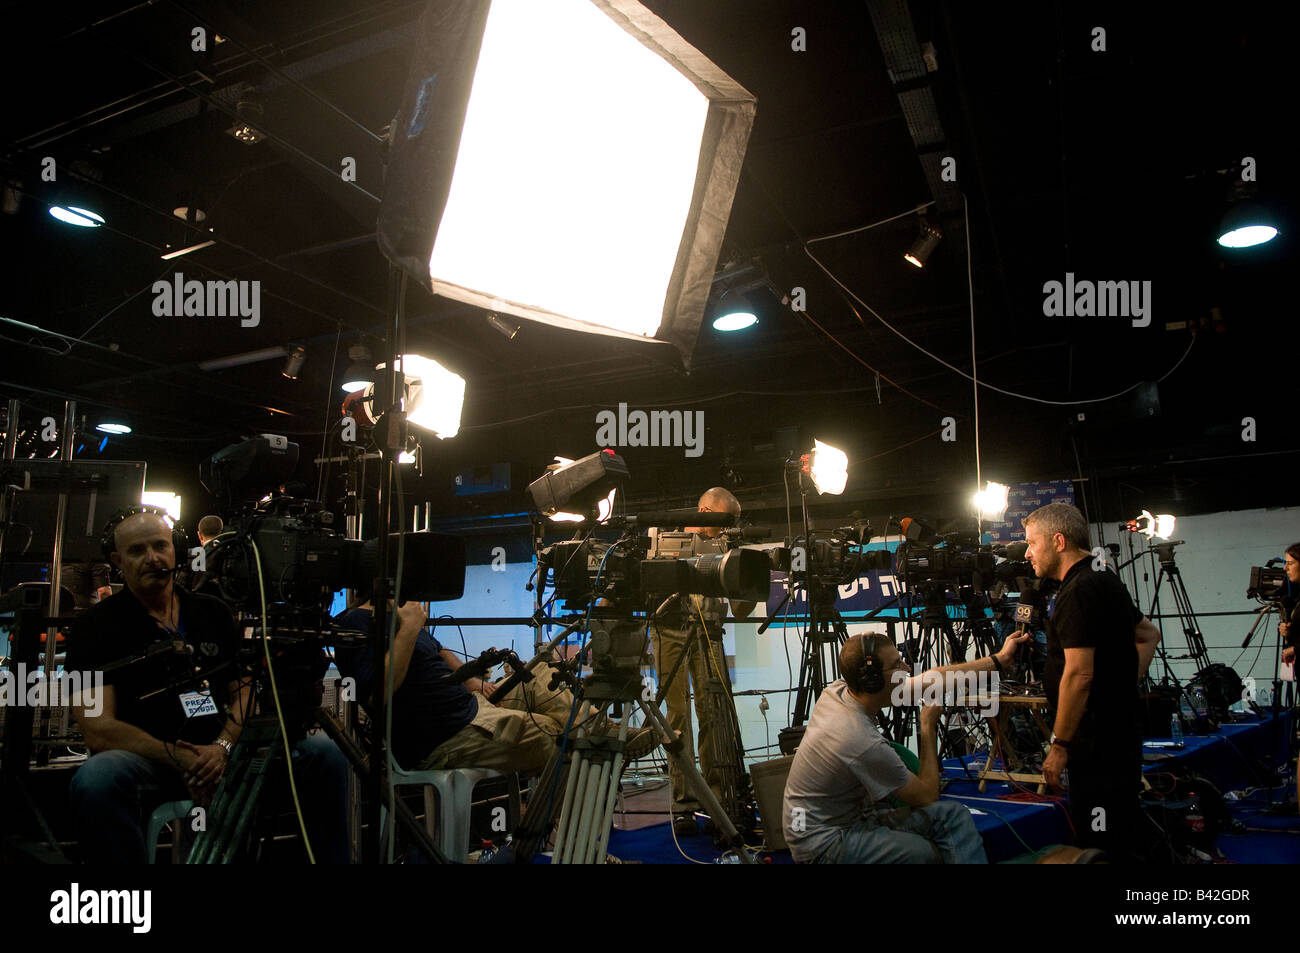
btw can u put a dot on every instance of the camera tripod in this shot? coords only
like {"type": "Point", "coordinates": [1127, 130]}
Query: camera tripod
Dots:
{"type": "Point", "coordinates": [939, 643]}
{"type": "Point", "coordinates": [590, 778]}
{"type": "Point", "coordinates": [826, 631]}
{"type": "Point", "coordinates": [238, 797]}
{"type": "Point", "coordinates": [1182, 608]}
{"type": "Point", "coordinates": [725, 754]}
{"type": "Point", "coordinates": [261, 747]}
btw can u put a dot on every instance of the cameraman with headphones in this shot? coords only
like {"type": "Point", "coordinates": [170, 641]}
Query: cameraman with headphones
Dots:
{"type": "Point", "coordinates": [173, 701]}
{"type": "Point", "coordinates": [835, 798]}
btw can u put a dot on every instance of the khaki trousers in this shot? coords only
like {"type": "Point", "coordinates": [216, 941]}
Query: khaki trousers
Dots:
{"type": "Point", "coordinates": [695, 673]}
{"type": "Point", "coordinates": [518, 734]}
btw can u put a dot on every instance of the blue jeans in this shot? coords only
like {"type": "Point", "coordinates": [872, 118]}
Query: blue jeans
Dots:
{"type": "Point", "coordinates": [942, 833]}
{"type": "Point", "coordinates": [112, 795]}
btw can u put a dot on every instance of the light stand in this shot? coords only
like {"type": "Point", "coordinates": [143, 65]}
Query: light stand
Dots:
{"type": "Point", "coordinates": [390, 435]}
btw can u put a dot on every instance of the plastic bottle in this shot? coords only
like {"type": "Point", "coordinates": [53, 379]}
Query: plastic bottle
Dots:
{"type": "Point", "coordinates": [1176, 729]}
{"type": "Point", "coordinates": [1201, 702]}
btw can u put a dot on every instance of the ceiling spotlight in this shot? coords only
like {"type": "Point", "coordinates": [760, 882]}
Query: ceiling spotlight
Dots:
{"type": "Point", "coordinates": [73, 215]}
{"type": "Point", "coordinates": [1248, 221]}
{"type": "Point", "coordinates": [925, 243]}
{"type": "Point", "coordinates": [361, 372]}
{"type": "Point", "coordinates": [992, 501]}
{"type": "Point", "coordinates": [293, 365]}
{"type": "Point", "coordinates": [249, 109]}
{"type": "Point", "coordinates": [735, 313]}
{"type": "Point", "coordinates": [1246, 224]}
{"type": "Point", "coordinates": [113, 425]}
{"type": "Point", "coordinates": [506, 327]}
{"type": "Point", "coordinates": [827, 467]}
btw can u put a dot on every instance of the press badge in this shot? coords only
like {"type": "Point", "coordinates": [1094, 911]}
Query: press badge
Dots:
{"type": "Point", "coordinates": [195, 704]}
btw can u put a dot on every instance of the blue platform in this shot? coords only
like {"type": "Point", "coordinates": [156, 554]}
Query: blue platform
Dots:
{"type": "Point", "coordinates": [1236, 757]}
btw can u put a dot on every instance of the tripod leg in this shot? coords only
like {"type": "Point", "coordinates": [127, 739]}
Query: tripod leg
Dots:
{"type": "Point", "coordinates": [611, 794]}
{"type": "Point", "coordinates": [695, 780]}
{"type": "Point", "coordinates": [358, 759]}
{"type": "Point", "coordinates": [726, 763]}
{"type": "Point", "coordinates": [542, 813]}
{"type": "Point", "coordinates": [573, 790]}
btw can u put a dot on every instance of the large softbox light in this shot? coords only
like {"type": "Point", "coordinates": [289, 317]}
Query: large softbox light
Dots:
{"type": "Point", "coordinates": [569, 161]}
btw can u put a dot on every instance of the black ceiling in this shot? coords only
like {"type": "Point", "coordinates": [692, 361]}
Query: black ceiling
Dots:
{"type": "Point", "coordinates": [1113, 165]}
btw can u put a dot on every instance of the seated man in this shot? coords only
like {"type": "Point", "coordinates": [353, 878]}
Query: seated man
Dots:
{"type": "Point", "coordinates": [167, 720]}
{"type": "Point", "coordinates": [836, 809]}
{"type": "Point", "coordinates": [440, 725]}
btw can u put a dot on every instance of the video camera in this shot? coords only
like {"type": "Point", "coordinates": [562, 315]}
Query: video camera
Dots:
{"type": "Point", "coordinates": [836, 557]}
{"type": "Point", "coordinates": [284, 550]}
{"type": "Point", "coordinates": [636, 569]}
{"type": "Point", "coordinates": [957, 559]}
{"type": "Point", "coordinates": [1266, 584]}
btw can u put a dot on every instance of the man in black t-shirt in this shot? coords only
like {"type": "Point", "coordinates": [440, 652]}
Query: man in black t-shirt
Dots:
{"type": "Point", "coordinates": [1098, 647]}
{"type": "Point", "coordinates": [172, 707]}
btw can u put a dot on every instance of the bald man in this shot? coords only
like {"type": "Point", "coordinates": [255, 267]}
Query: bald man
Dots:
{"type": "Point", "coordinates": [672, 635]}
{"type": "Point", "coordinates": [168, 721]}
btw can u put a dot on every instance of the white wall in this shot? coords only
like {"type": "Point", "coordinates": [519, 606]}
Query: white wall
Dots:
{"type": "Point", "coordinates": [1214, 562]}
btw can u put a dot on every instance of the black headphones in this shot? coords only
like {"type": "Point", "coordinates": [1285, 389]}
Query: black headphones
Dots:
{"type": "Point", "coordinates": [180, 542]}
{"type": "Point", "coordinates": [870, 674]}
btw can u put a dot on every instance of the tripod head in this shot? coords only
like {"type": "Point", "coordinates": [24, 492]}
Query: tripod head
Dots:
{"type": "Point", "coordinates": [1165, 553]}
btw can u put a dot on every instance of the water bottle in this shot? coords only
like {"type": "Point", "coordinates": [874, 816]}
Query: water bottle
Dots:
{"type": "Point", "coordinates": [1176, 729]}
{"type": "Point", "coordinates": [1201, 702]}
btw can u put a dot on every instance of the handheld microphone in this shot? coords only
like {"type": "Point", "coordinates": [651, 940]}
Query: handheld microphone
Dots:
{"type": "Point", "coordinates": [1029, 613]}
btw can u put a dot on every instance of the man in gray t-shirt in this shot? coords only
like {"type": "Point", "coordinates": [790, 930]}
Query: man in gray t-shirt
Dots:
{"type": "Point", "coordinates": [836, 798]}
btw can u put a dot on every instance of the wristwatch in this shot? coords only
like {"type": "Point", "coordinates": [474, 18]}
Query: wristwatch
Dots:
{"type": "Point", "coordinates": [1063, 744]}
{"type": "Point", "coordinates": [226, 744]}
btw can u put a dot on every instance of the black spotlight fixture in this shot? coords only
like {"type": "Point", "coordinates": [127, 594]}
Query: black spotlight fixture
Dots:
{"type": "Point", "coordinates": [361, 371]}
{"type": "Point", "coordinates": [925, 243]}
{"type": "Point", "coordinates": [294, 362]}
{"type": "Point", "coordinates": [504, 325]}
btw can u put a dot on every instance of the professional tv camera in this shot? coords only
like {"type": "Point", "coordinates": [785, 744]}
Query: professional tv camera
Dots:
{"type": "Point", "coordinates": [1266, 584]}
{"type": "Point", "coordinates": [636, 569]}
{"type": "Point", "coordinates": [282, 558]}
{"type": "Point", "coordinates": [836, 557]}
{"type": "Point", "coordinates": [955, 558]}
